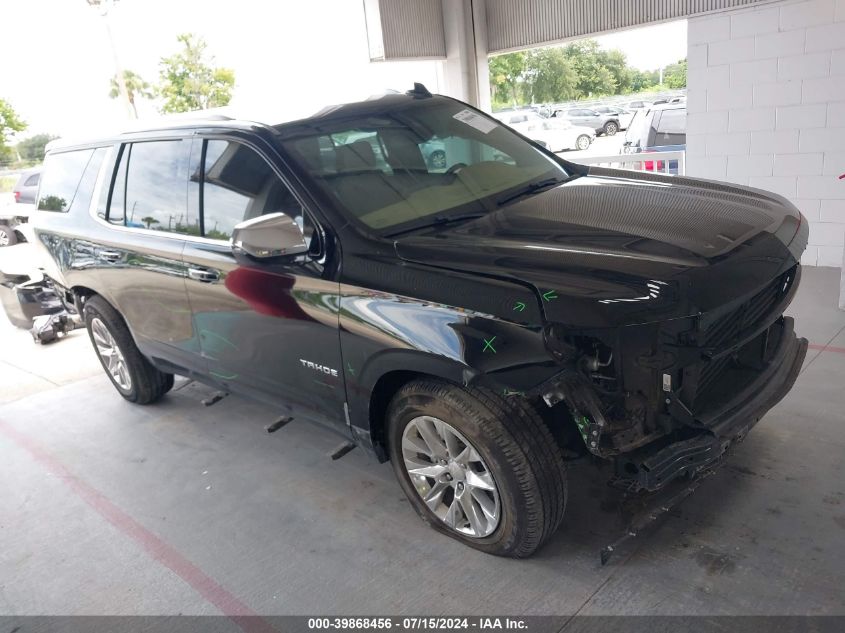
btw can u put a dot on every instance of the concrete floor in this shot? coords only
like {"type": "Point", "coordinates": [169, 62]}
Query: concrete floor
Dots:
{"type": "Point", "coordinates": [110, 508]}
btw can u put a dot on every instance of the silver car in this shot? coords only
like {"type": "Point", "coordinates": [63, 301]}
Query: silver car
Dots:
{"type": "Point", "coordinates": [607, 124]}
{"type": "Point", "coordinates": [27, 186]}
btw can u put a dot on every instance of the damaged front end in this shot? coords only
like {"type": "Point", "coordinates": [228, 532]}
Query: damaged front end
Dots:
{"type": "Point", "coordinates": [665, 400]}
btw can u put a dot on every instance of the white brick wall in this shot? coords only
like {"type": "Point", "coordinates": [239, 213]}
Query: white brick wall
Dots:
{"type": "Point", "coordinates": [766, 108]}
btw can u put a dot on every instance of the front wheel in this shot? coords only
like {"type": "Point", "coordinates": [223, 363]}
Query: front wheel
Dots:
{"type": "Point", "coordinates": [583, 142]}
{"type": "Point", "coordinates": [611, 128]}
{"type": "Point", "coordinates": [130, 372]}
{"type": "Point", "coordinates": [7, 235]}
{"type": "Point", "coordinates": [481, 469]}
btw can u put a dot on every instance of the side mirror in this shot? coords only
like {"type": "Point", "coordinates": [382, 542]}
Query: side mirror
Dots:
{"type": "Point", "coordinates": [271, 235]}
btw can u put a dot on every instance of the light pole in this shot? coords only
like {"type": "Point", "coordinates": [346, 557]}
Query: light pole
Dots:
{"type": "Point", "coordinates": [104, 6]}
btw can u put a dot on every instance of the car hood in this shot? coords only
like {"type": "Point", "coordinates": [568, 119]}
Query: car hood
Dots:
{"type": "Point", "coordinates": [610, 248]}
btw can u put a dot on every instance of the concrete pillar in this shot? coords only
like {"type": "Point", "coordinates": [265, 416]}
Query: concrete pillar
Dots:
{"type": "Point", "coordinates": [465, 71]}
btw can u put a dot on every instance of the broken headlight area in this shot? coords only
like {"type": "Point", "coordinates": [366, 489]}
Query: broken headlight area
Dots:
{"type": "Point", "coordinates": [666, 399]}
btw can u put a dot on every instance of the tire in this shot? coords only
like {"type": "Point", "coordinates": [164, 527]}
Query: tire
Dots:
{"type": "Point", "coordinates": [582, 142]}
{"type": "Point", "coordinates": [611, 128]}
{"type": "Point", "coordinates": [437, 159]}
{"type": "Point", "coordinates": [8, 237]}
{"type": "Point", "coordinates": [141, 382]}
{"type": "Point", "coordinates": [517, 454]}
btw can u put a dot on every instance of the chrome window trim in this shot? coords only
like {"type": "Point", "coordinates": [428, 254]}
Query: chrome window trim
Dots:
{"type": "Point", "coordinates": [195, 136]}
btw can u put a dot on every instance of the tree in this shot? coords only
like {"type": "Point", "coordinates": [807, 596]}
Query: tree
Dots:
{"type": "Point", "coordinates": [9, 124]}
{"type": "Point", "coordinates": [506, 72]}
{"type": "Point", "coordinates": [189, 81]}
{"type": "Point", "coordinates": [134, 85]}
{"type": "Point", "coordinates": [550, 76]}
{"type": "Point", "coordinates": [675, 75]}
{"type": "Point", "coordinates": [32, 149]}
{"type": "Point", "coordinates": [149, 220]}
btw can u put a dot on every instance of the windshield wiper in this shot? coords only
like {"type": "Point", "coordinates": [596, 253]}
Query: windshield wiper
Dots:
{"type": "Point", "coordinates": [439, 220]}
{"type": "Point", "coordinates": [530, 188]}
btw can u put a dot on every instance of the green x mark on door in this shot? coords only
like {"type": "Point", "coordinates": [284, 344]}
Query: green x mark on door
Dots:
{"type": "Point", "coordinates": [549, 295]}
{"type": "Point", "coordinates": [488, 344]}
{"type": "Point", "coordinates": [519, 307]}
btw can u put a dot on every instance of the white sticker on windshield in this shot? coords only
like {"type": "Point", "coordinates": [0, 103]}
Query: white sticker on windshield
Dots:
{"type": "Point", "coordinates": [476, 120]}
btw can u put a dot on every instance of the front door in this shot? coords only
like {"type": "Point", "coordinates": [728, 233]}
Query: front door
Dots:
{"type": "Point", "coordinates": [266, 328]}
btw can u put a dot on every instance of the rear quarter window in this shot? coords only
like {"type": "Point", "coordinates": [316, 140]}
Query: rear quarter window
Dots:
{"type": "Point", "coordinates": [61, 178]}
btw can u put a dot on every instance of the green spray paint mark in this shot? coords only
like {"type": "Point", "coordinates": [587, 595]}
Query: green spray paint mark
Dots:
{"type": "Point", "coordinates": [519, 307]}
{"type": "Point", "coordinates": [512, 392]}
{"type": "Point", "coordinates": [583, 424]}
{"type": "Point", "coordinates": [549, 295]}
{"type": "Point", "coordinates": [350, 370]}
{"type": "Point", "coordinates": [488, 344]}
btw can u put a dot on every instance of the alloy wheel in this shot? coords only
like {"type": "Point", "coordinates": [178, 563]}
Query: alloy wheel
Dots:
{"type": "Point", "coordinates": [110, 354]}
{"type": "Point", "coordinates": [450, 476]}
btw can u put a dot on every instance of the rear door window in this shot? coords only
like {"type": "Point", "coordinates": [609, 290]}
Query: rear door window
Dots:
{"type": "Point", "coordinates": [151, 188]}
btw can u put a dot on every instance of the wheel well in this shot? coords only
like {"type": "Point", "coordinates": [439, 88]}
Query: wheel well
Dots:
{"type": "Point", "coordinates": [80, 295]}
{"type": "Point", "coordinates": [383, 392]}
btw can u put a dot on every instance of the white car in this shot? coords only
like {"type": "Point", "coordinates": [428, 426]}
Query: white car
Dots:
{"type": "Point", "coordinates": [556, 135]}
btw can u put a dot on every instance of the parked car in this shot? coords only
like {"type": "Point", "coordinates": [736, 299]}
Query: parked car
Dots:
{"type": "Point", "coordinates": [12, 217]}
{"type": "Point", "coordinates": [556, 135]}
{"type": "Point", "coordinates": [607, 124]}
{"type": "Point", "coordinates": [637, 105]}
{"type": "Point", "coordinates": [661, 128]}
{"type": "Point", "coordinates": [479, 327]}
{"type": "Point", "coordinates": [624, 115]}
{"type": "Point", "coordinates": [27, 186]}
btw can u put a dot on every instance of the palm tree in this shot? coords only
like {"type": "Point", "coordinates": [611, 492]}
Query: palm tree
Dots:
{"type": "Point", "coordinates": [135, 85]}
{"type": "Point", "coordinates": [148, 220]}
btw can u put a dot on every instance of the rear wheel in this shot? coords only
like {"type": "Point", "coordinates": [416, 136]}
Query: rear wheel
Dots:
{"type": "Point", "coordinates": [583, 142]}
{"type": "Point", "coordinates": [481, 469]}
{"type": "Point", "coordinates": [611, 128]}
{"type": "Point", "coordinates": [7, 235]}
{"type": "Point", "coordinates": [130, 372]}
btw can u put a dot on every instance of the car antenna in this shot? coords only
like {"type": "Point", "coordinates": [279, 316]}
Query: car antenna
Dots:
{"type": "Point", "coordinates": [419, 91]}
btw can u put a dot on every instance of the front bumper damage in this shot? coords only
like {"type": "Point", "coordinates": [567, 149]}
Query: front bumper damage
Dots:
{"type": "Point", "coordinates": [660, 474]}
{"type": "Point", "coordinates": [718, 428]}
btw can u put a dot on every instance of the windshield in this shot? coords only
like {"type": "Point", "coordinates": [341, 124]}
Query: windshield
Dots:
{"type": "Point", "coordinates": [417, 163]}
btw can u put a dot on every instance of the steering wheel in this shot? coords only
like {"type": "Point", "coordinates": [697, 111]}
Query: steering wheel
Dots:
{"type": "Point", "coordinates": [454, 169]}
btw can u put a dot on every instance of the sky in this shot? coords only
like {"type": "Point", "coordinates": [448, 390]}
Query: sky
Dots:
{"type": "Point", "coordinates": [290, 57]}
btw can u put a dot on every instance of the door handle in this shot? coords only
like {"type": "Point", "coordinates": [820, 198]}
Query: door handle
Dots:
{"type": "Point", "coordinates": [109, 256]}
{"type": "Point", "coordinates": [203, 274]}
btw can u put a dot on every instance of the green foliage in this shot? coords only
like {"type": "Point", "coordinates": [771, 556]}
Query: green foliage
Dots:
{"type": "Point", "coordinates": [52, 203]}
{"type": "Point", "coordinates": [675, 75]}
{"type": "Point", "coordinates": [579, 70]}
{"type": "Point", "coordinates": [31, 149]}
{"type": "Point", "coordinates": [189, 81]}
{"type": "Point", "coordinates": [550, 76]}
{"type": "Point", "coordinates": [506, 71]}
{"type": "Point", "coordinates": [10, 123]}
{"type": "Point", "coordinates": [135, 87]}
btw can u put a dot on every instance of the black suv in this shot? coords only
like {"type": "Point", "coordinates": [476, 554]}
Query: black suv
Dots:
{"type": "Point", "coordinates": [480, 325]}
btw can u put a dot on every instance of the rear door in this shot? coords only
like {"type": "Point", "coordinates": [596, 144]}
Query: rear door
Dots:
{"type": "Point", "coordinates": [139, 256]}
{"type": "Point", "coordinates": [268, 328]}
